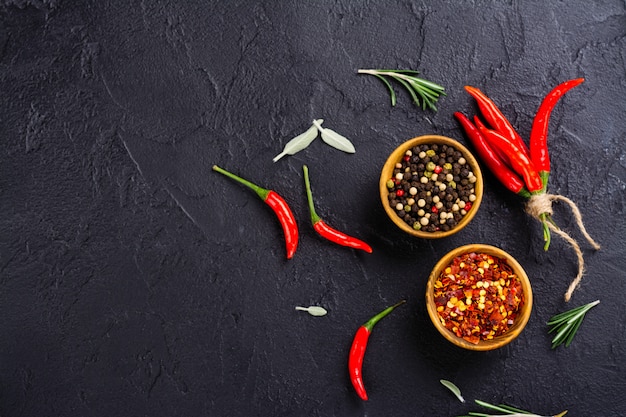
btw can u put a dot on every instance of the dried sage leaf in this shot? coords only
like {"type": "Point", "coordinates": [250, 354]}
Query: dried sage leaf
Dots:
{"type": "Point", "coordinates": [335, 140]}
{"type": "Point", "coordinates": [455, 390]}
{"type": "Point", "coordinates": [313, 310]}
{"type": "Point", "coordinates": [300, 142]}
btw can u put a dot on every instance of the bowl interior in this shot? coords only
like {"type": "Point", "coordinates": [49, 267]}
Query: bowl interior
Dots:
{"type": "Point", "coordinates": [520, 321]}
{"type": "Point", "coordinates": [396, 156]}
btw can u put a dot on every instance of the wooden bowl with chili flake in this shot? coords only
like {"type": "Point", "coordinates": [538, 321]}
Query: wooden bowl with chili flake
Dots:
{"type": "Point", "coordinates": [431, 186]}
{"type": "Point", "coordinates": [479, 297]}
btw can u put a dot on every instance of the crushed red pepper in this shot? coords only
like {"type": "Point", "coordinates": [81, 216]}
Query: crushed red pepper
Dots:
{"type": "Point", "coordinates": [478, 296]}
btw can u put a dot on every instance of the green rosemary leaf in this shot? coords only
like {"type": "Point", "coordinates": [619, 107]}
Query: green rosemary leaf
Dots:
{"type": "Point", "coordinates": [491, 406]}
{"type": "Point", "coordinates": [455, 390]}
{"type": "Point", "coordinates": [412, 72]}
{"type": "Point", "coordinates": [566, 315]}
{"type": "Point", "coordinates": [571, 334]}
{"type": "Point", "coordinates": [429, 84]}
{"type": "Point", "coordinates": [566, 324]}
{"type": "Point", "coordinates": [423, 92]}
{"type": "Point", "coordinates": [411, 91]}
{"type": "Point", "coordinates": [513, 409]}
{"type": "Point", "coordinates": [506, 409]}
{"type": "Point", "coordinates": [388, 84]}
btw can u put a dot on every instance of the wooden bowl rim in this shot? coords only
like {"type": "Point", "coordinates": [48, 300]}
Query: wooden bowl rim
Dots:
{"type": "Point", "coordinates": [395, 157]}
{"type": "Point", "coordinates": [520, 321]}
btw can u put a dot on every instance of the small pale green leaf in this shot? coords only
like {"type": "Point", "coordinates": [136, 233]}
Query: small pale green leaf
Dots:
{"type": "Point", "coordinates": [334, 139]}
{"type": "Point", "coordinates": [453, 388]}
{"type": "Point", "coordinates": [300, 142]}
{"type": "Point", "coordinates": [337, 141]}
{"type": "Point", "coordinates": [316, 311]}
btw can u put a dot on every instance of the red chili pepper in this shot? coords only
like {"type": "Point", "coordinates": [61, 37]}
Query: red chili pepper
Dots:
{"type": "Point", "coordinates": [280, 207]}
{"type": "Point", "coordinates": [520, 162]}
{"type": "Point", "coordinates": [324, 229]}
{"type": "Point", "coordinates": [539, 132]}
{"type": "Point", "coordinates": [357, 351]}
{"type": "Point", "coordinates": [504, 157]}
{"type": "Point", "coordinates": [488, 155]}
{"type": "Point", "coordinates": [496, 118]}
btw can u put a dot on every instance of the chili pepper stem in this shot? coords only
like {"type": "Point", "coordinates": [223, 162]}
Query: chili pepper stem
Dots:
{"type": "Point", "coordinates": [546, 231]}
{"type": "Point", "coordinates": [372, 322]}
{"type": "Point", "coordinates": [261, 192]}
{"type": "Point", "coordinates": [309, 195]}
{"type": "Point", "coordinates": [544, 178]}
{"type": "Point", "coordinates": [523, 192]}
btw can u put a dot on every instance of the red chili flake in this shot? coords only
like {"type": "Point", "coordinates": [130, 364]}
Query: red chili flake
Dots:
{"type": "Point", "coordinates": [400, 193]}
{"type": "Point", "coordinates": [478, 296]}
{"type": "Point", "coordinates": [438, 169]}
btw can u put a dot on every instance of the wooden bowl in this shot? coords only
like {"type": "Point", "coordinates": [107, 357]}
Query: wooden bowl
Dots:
{"type": "Point", "coordinates": [387, 173]}
{"type": "Point", "coordinates": [520, 321]}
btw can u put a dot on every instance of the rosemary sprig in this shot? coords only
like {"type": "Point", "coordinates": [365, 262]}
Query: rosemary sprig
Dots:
{"type": "Point", "coordinates": [423, 92]}
{"type": "Point", "coordinates": [566, 324]}
{"type": "Point", "coordinates": [507, 410]}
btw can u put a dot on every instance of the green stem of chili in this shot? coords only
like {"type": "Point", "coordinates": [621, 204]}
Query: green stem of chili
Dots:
{"type": "Point", "coordinates": [546, 231]}
{"type": "Point", "coordinates": [261, 192]}
{"type": "Point", "coordinates": [309, 196]}
{"type": "Point", "coordinates": [369, 325]}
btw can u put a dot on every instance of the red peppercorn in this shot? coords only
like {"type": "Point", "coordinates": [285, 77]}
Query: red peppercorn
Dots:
{"type": "Point", "coordinates": [406, 157]}
{"type": "Point", "coordinates": [434, 209]}
{"type": "Point", "coordinates": [400, 193]}
{"type": "Point", "coordinates": [468, 206]}
{"type": "Point", "coordinates": [438, 169]}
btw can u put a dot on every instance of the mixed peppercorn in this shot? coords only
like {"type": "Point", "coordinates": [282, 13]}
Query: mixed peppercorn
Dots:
{"type": "Point", "coordinates": [432, 187]}
{"type": "Point", "coordinates": [478, 296]}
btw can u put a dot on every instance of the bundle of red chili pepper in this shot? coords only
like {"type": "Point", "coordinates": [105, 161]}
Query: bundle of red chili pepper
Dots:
{"type": "Point", "coordinates": [523, 169]}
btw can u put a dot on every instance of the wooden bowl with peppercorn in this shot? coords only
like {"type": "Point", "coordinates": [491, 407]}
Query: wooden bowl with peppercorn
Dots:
{"type": "Point", "coordinates": [431, 186]}
{"type": "Point", "coordinates": [479, 297]}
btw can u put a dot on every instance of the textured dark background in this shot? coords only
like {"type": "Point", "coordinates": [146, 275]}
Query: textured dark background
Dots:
{"type": "Point", "coordinates": [135, 281]}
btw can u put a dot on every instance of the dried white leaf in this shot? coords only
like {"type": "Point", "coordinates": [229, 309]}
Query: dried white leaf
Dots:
{"type": "Point", "coordinates": [455, 390]}
{"type": "Point", "coordinates": [300, 142]}
{"type": "Point", "coordinates": [313, 310]}
{"type": "Point", "coordinates": [335, 140]}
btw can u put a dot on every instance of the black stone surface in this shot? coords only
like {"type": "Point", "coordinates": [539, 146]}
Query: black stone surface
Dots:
{"type": "Point", "coordinates": [134, 281]}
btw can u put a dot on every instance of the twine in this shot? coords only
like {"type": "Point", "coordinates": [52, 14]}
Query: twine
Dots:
{"type": "Point", "coordinates": [540, 204]}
